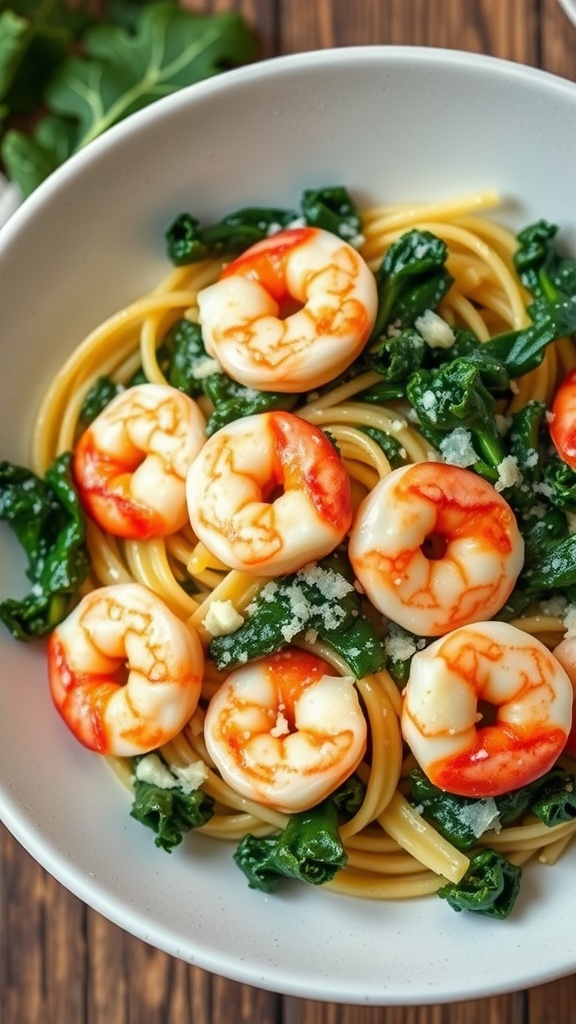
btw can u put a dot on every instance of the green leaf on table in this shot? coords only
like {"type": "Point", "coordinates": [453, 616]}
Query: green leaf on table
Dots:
{"type": "Point", "coordinates": [119, 71]}
{"type": "Point", "coordinates": [35, 36]}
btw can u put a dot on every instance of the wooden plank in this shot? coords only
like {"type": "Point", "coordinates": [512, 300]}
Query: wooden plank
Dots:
{"type": "Point", "coordinates": [497, 1010]}
{"type": "Point", "coordinates": [553, 1002]}
{"type": "Point", "coordinates": [488, 26]}
{"type": "Point", "coordinates": [558, 41]}
{"type": "Point", "coordinates": [43, 943]}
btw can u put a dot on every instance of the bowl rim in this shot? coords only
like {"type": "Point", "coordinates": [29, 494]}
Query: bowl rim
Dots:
{"type": "Point", "coordinates": [258, 69]}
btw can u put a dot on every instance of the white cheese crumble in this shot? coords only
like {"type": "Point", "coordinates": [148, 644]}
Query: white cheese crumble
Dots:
{"type": "Point", "coordinates": [205, 368]}
{"type": "Point", "coordinates": [503, 423]}
{"type": "Point", "coordinates": [556, 606]}
{"type": "Point", "coordinates": [480, 816]}
{"type": "Point", "coordinates": [435, 331]}
{"type": "Point", "coordinates": [400, 646]}
{"type": "Point", "coordinates": [508, 473]}
{"type": "Point", "coordinates": [153, 770]}
{"type": "Point", "coordinates": [222, 618]}
{"type": "Point", "coordinates": [190, 776]}
{"type": "Point", "coordinates": [570, 621]}
{"type": "Point", "coordinates": [281, 728]}
{"type": "Point", "coordinates": [457, 449]}
{"type": "Point", "coordinates": [331, 585]}
{"type": "Point", "coordinates": [429, 403]}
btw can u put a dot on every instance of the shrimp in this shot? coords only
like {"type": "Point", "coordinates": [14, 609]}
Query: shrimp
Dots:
{"type": "Point", "coordinates": [435, 547]}
{"type": "Point", "coordinates": [562, 424]}
{"type": "Point", "coordinates": [565, 653]}
{"type": "Point", "coordinates": [284, 731]}
{"type": "Point", "coordinates": [496, 671]}
{"type": "Point", "coordinates": [130, 464]}
{"type": "Point", "coordinates": [328, 294]}
{"type": "Point", "coordinates": [268, 494]}
{"type": "Point", "coordinates": [111, 709]}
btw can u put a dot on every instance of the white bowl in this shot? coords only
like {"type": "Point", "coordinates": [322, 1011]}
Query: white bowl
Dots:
{"type": "Point", "coordinates": [392, 124]}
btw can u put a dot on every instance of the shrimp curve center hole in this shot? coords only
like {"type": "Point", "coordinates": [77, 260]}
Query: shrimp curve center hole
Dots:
{"type": "Point", "coordinates": [487, 714]}
{"type": "Point", "coordinates": [434, 546]}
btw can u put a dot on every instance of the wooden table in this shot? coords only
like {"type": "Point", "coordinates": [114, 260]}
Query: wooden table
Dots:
{"type": "Point", "coordinates": [62, 963]}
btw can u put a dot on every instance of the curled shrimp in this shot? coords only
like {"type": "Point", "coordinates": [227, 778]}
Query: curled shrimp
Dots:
{"type": "Point", "coordinates": [269, 493]}
{"type": "Point", "coordinates": [436, 547]}
{"type": "Point", "coordinates": [487, 670]}
{"type": "Point", "coordinates": [327, 291]}
{"type": "Point", "coordinates": [562, 423]}
{"type": "Point", "coordinates": [284, 731]}
{"type": "Point", "coordinates": [565, 653]}
{"type": "Point", "coordinates": [116, 710]}
{"type": "Point", "coordinates": [130, 464]}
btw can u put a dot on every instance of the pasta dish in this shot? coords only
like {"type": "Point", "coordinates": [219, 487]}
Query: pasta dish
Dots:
{"type": "Point", "coordinates": [306, 564]}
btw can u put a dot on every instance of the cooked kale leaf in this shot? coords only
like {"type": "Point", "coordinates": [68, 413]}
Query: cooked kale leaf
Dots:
{"type": "Point", "coordinates": [48, 521]}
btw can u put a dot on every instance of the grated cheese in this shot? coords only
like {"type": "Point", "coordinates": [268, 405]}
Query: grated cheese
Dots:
{"type": "Point", "coordinates": [508, 473]}
{"type": "Point", "coordinates": [435, 331]}
{"type": "Point", "coordinates": [457, 448]}
{"type": "Point", "coordinates": [206, 368]}
{"type": "Point", "coordinates": [570, 621]}
{"type": "Point", "coordinates": [480, 816]}
{"type": "Point", "coordinates": [222, 618]}
{"type": "Point", "coordinates": [153, 770]}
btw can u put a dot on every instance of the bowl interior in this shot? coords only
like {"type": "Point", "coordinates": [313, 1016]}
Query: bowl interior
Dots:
{"type": "Point", "coordinates": [393, 125]}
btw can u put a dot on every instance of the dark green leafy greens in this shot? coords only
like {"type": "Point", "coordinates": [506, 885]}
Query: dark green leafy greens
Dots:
{"type": "Point", "coordinates": [411, 280]}
{"type": "Point", "coordinates": [48, 521]}
{"type": "Point", "coordinates": [464, 820]}
{"type": "Point", "coordinates": [35, 36]}
{"type": "Point", "coordinates": [309, 849]}
{"type": "Point", "coordinates": [330, 207]}
{"type": "Point", "coordinates": [84, 77]}
{"type": "Point", "coordinates": [319, 599]}
{"type": "Point", "coordinates": [547, 274]}
{"type": "Point", "coordinates": [170, 813]}
{"type": "Point", "coordinates": [454, 396]}
{"type": "Point", "coordinates": [489, 887]}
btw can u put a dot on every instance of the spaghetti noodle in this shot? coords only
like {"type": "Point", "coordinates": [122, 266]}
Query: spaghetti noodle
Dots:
{"type": "Point", "coordinates": [393, 851]}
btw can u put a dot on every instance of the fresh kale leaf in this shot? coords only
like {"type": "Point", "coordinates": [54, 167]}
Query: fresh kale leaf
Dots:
{"type": "Point", "coordinates": [35, 36]}
{"type": "Point", "coordinates": [97, 398]}
{"type": "Point", "coordinates": [118, 71]}
{"type": "Point", "coordinates": [523, 350]}
{"type": "Point", "coordinates": [463, 820]}
{"type": "Point", "coordinates": [48, 521]}
{"type": "Point", "coordinates": [232, 401]}
{"type": "Point", "coordinates": [187, 241]}
{"type": "Point", "coordinates": [467, 345]}
{"type": "Point", "coordinates": [392, 448]}
{"type": "Point", "coordinates": [560, 481]}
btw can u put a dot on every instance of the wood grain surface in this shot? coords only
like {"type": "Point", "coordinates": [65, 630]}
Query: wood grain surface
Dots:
{"type": "Point", "coordinates": [62, 963]}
